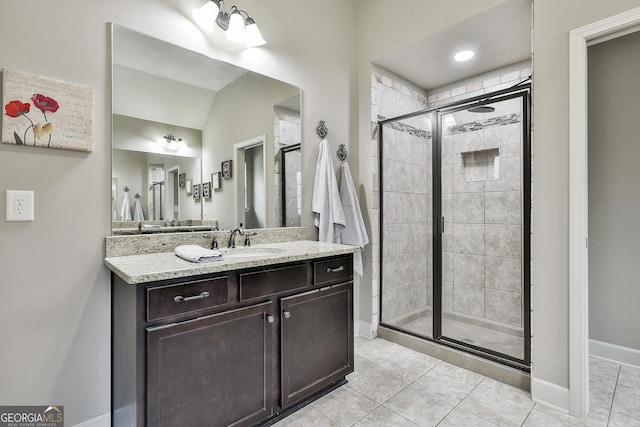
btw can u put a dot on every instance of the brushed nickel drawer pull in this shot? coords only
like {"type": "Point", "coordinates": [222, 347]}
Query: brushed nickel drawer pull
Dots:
{"type": "Point", "coordinates": [180, 298]}
{"type": "Point", "coordinates": [335, 270]}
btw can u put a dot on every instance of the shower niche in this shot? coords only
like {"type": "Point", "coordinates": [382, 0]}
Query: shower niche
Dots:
{"type": "Point", "coordinates": [481, 165]}
{"type": "Point", "coordinates": [454, 252]}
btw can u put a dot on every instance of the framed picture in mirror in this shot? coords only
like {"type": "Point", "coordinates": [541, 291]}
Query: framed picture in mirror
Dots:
{"type": "Point", "coordinates": [181, 179]}
{"type": "Point", "coordinates": [196, 191]}
{"type": "Point", "coordinates": [206, 190]}
{"type": "Point", "coordinates": [188, 186]}
{"type": "Point", "coordinates": [226, 169]}
{"type": "Point", "coordinates": [215, 180]}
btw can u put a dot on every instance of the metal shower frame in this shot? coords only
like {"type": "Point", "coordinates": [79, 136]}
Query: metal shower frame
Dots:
{"type": "Point", "coordinates": [523, 90]}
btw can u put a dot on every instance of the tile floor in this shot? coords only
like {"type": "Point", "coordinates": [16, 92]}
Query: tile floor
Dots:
{"type": "Point", "coordinates": [395, 386]}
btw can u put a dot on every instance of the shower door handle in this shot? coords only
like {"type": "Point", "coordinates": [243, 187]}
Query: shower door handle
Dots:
{"type": "Point", "coordinates": [442, 225]}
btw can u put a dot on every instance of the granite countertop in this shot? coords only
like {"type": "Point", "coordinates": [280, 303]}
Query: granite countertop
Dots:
{"type": "Point", "coordinates": [135, 269]}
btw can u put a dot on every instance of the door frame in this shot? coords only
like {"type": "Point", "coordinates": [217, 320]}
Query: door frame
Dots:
{"type": "Point", "coordinates": [238, 172]}
{"type": "Point", "coordinates": [579, 40]}
{"type": "Point", "coordinates": [168, 178]}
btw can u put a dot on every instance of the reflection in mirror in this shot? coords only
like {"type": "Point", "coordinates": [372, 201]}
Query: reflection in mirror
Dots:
{"type": "Point", "coordinates": [291, 189]}
{"type": "Point", "coordinates": [143, 164]}
{"type": "Point", "coordinates": [178, 116]}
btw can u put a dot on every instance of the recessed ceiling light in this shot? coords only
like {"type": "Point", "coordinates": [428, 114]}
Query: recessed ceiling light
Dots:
{"type": "Point", "coordinates": [463, 55]}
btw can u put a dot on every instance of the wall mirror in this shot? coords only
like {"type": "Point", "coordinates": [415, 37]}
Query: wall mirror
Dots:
{"type": "Point", "coordinates": [179, 119]}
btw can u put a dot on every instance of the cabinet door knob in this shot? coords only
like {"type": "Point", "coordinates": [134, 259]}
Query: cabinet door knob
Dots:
{"type": "Point", "coordinates": [180, 298]}
{"type": "Point", "coordinates": [286, 314]}
{"type": "Point", "coordinates": [335, 270]}
{"type": "Point", "coordinates": [270, 319]}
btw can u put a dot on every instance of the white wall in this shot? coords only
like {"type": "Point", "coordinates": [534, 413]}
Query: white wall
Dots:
{"type": "Point", "coordinates": [550, 189]}
{"type": "Point", "coordinates": [130, 133]}
{"type": "Point", "coordinates": [55, 304]}
{"type": "Point", "coordinates": [614, 200]}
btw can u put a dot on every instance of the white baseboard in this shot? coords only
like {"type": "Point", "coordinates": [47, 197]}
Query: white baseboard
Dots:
{"type": "Point", "coordinates": [103, 420]}
{"type": "Point", "coordinates": [365, 329]}
{"type": "Point", "coordinates": [550, 394]}
{"type": "Point", "coordinates": [617, 353]}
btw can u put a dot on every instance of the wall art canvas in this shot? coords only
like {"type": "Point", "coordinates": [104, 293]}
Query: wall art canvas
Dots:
{"type": "Point", "coordinates": [44, 112]}
{"type": "Point", "coordinates": [196, 191]}
{"type": "Point", "coordinates": [226, 169]}
{"type": "Point", "coordinates": [206, 190]}
{"type": "Point", "coordinates": [215, 180]}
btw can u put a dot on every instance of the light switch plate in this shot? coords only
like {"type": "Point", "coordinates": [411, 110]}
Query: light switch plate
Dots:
{"type": "Point", "coordinates": [20, 205]}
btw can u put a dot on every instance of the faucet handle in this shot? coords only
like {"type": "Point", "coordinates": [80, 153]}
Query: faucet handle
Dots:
{"type": "Point", "coordinates": [247, 240]}
{"type": "Point", "coordinates": [214, 242]}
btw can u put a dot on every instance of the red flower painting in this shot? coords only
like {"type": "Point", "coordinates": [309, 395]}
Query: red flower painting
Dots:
{"type": "Point", "coordinates": [18, 108]}
{"type": "Point", "coordinates": [44, 103]}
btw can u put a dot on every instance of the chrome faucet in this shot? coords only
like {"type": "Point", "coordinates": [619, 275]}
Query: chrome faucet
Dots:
{"type": "Point", "coordinates": [232, 238]}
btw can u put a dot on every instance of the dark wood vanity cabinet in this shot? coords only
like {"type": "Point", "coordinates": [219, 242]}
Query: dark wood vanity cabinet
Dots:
{"type": "Point", "coordinates": [317, 341]}
{"type": "Point", "coordinates": [213, 370]}
{"type": "Point", "coordinates": [235, 349]}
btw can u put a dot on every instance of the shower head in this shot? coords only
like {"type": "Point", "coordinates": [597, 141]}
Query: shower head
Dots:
{"type": "Point", "coordinates": [482, 109]}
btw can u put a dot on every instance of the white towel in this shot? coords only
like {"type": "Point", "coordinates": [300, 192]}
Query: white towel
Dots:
{"type": "Point", "coordinates": [355, 232]}
{"type": "Point", "coordinates": [125, 213]}
{"type": "Point", "coordinates": [326, 205]}
{"type": "Point", "coordinates": [195, 253]}
{"type": "Point", "coordinates": [138, 214]}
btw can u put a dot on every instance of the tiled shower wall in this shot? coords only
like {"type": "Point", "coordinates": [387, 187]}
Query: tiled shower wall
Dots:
{"type": "Point", "coordinates": [407, 199]}
{"type": "Point", "coordinates": [407, 213]}
{"type": "Point", "coordinates": [391, 98]}
{"type": "Point", "coordinates": [482, 207]}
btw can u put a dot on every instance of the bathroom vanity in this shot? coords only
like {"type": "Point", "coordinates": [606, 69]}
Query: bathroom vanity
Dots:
{"type": "Point", "coordinates": [242, 341]}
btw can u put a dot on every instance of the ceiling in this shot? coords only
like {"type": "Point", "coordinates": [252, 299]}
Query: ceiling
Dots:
{"type": "Point", "coordinates": [164, 83]}
{"type": "Point", "coordinates": [154, 80]}
{"type": "Point", "coordinates": [500, 36]}
{"type": "Point", "coordinates": [160, 82]}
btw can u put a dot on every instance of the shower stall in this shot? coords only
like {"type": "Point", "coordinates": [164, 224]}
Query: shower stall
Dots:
{"type": "Point", "coordinates": [455, 225]}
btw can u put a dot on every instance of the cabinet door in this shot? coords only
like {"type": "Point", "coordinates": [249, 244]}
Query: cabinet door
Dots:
{"type": "Point", "coordinates": [211, 371]}
{"type": "Point", "coordinates": [317, 341]}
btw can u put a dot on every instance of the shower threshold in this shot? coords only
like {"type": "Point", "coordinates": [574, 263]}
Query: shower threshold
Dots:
{"type": "Point", "coordinates": [488, 368]}
{"type": "Point", "coordinates": [478, 332]}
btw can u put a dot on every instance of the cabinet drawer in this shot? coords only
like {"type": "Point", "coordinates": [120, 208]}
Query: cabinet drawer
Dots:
{"type": "Point", "coordinates": [273, 281]}
{"type": "Point", "coordinates": [333, 270]}
{"type": "Point", "coordinates": [186, 297]}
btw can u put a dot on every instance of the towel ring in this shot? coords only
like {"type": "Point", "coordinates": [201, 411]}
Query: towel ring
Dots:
{"type": "Point", "coordinates": [342, 153]}
{"type": "Point", "coordinates": [126, 189]}
{"type": "Point", "coordinates": [137, 196]}
{"type": "Point", "coordinates": [322, 130]}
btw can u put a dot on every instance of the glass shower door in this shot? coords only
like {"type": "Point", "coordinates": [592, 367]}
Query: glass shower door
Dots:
{"type": "Point", "coordinates": [483, 233]}
{"type": "Point", "coordinates": [406, 220]}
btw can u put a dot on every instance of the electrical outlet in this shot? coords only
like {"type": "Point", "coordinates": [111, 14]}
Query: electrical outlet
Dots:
{"type": "Point", "coordinates": [20, 205]}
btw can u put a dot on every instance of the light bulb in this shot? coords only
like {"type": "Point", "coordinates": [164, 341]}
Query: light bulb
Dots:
{"type": "Point", "coordinates": [236, 32]}
{"type": "Point", "coordinates": [205, 16]}
{"type": "Point", "coordinates": [254, 38]}
{"type": "Point", "coordinates": [464, 55]}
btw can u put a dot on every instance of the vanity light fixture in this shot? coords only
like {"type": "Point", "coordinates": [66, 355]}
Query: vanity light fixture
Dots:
{"type": "Point", "coordinates": [464, 55]}
{"type": "Point", "coordinates": [237, 25]}
{"type": "Point", "coordinates": [171, 142]}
